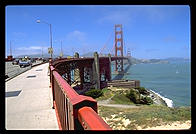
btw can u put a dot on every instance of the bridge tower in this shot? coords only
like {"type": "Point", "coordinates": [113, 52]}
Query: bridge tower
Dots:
{"type": "Point", "coordinates": [119, 48]}
{"type": "Point", "coordinates": [128, 53]}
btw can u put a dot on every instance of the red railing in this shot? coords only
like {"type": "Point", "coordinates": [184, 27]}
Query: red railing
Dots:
{"type": "Point", "coordinates": [90, 120]}
{"type": "Point", "coordinates": [74, 111]}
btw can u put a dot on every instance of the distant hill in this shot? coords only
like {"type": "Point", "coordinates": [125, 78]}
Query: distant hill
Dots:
{"type": "Point", "coordinates": [39, 56]}
{"type": "Point", "coordinates": [91, 54]}
{"type": "Point", "coordinates": [146, 61]}
{"type": "Point", "coordinates": [177, 59]}
{"type": "Point", "coordinates": [158, 61]}
{"type": "Point", "coordinates": [133, 59]}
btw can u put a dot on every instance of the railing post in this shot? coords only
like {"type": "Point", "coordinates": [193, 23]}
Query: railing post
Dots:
{"type": "Point", "coordinates": [81, 73]}
{"type": "Point", "coordinates": [52, 84]}
{"type": "Point", "coordinates": [49, 72]}
{"type": "Point", "coordinates": [50, 64]}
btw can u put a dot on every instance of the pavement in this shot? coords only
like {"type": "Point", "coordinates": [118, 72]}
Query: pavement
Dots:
{"type": "Point", "coordinates": [107, 104]}
{"type": "Point", "coordinates": [28, 101]}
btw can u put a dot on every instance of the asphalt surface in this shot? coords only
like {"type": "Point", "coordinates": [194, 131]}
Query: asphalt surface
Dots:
{"type": "Point", "coordinates": [14, 70]}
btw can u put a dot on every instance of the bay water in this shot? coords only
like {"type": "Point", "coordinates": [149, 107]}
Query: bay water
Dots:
{"type": "Point", "coordinates": [172, 81]}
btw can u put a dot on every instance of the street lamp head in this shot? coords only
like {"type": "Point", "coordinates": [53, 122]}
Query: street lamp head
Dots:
{"type": "Point", "coordinates": [38, 21]}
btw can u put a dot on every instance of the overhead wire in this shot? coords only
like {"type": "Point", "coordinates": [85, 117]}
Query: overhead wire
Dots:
{"type": "Point", "coordinates": [106, 43]}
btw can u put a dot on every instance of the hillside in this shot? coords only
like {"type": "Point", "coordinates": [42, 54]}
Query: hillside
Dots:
{"type": "Point", "coordinates": [146, 117]}
{"type": "Point", "coordinates": [177, 59]}
{"type": "Point", "coordinates": [121, 113]}
{"type": "Point", "coordinates": [146, 61]}
{"type": "Point", "coordinates": [39, 55]}
{"type": "Point", "coordinates": [132, 59]}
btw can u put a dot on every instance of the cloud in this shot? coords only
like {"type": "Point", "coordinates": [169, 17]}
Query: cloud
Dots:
{"type": "Point", "coordinates": [35, 47]}
{"type": "Point", "coordinates": [77, 39]}
{"type": "Point", "coordinates": [31, 49]}
{"type": "Point", "coordinates": [76, 35]}
{"type": "Point", "coordinates": [117, 17]}
{"type": "Point", "coordinates": [154, 13]}
{"type": "Point", "coordinates": [130, 14]}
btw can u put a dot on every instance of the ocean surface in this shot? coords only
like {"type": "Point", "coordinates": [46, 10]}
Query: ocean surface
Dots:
{"type": "Point", "coordinates": [172, 81]}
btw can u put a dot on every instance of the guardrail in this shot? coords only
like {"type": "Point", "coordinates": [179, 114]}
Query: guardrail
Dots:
{"type": "Point", "coordinates": [90, 120]}
{"type": "Point", "coordinates": [74, 111]}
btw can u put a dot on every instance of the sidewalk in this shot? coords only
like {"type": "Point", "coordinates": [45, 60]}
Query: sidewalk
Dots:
{"type": "Point", "coordinates": [28, 101]}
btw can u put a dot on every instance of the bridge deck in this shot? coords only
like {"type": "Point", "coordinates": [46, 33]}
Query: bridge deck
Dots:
{"type": "Point", "coordinates": [28, 101]}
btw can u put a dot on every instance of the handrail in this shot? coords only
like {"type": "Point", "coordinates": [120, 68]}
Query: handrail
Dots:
{"type": "Point", "coordinates": [64, 85]}
{"type": "Point", "coordinates": [55, 62]}
{"type": "Point", "coordinates": [90, 120]}
{"type": "Point", "coordinates": [71, 106]}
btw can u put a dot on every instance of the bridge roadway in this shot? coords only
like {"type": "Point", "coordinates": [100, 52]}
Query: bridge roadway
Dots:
{"type": "Point", "coordinates": [28, 101]}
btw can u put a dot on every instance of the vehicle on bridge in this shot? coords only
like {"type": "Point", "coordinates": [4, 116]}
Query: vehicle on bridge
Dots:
{"type": "Point", "coordinates": [33, 60]}
{"type": "Point", "coordinates": [15, 62]}
{"type": "Point", "coordinates": [25, 62]}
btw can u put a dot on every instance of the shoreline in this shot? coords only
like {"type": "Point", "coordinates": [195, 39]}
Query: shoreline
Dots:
{"type": "Point", "coordinates": [159, 116]}
{"type": "Point", "coordinates": [158, 99]}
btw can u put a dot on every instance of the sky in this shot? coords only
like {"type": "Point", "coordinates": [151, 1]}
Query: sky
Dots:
{"type": "Point", "coordinates": [149, 31]}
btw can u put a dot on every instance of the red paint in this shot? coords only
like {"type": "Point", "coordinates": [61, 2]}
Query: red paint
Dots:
{"type": "Point", "coordinates": [90, 120]}
{"type": "Point", "coordinates": [118, 46]}
{"type": "Point", "coordinates": [82, 107]}
{"type": "Point", "coordinates": [65, 86]}
{"type": "Point", "coordinates": [78, 101]}
{"type": "Point", "coordinates": [57, 116]}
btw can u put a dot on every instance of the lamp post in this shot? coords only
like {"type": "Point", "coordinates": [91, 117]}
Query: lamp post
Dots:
{"type": "Point", "coordinates": [51, 50]}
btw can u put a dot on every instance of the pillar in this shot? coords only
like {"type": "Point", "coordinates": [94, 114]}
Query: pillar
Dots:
{"type": "Point", "coordinates": [76, 55]}
{"type": "Point", "coordinates": [96, 72]}
{"type": "Point", "coordinates": [110, 60]}
{"type": "Point", "coordinates": [81, 69]}
{"type": "Point", "coordinates": [76, 70]}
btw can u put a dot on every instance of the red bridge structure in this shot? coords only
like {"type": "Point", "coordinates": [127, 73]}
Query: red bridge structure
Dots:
{"type": "Point", "coordinates": [71, 77]}
{"type": "Point", "coordinates": [119, 48]}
